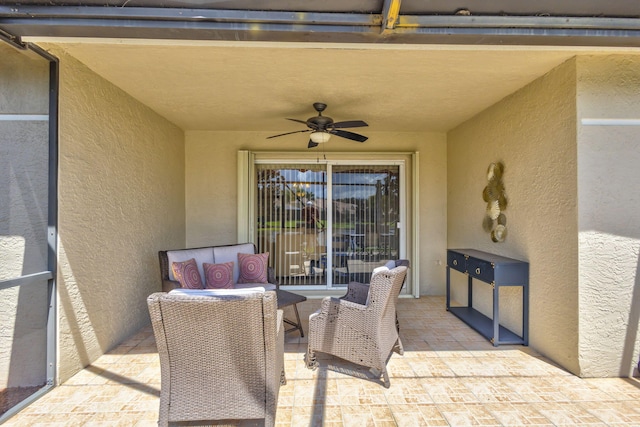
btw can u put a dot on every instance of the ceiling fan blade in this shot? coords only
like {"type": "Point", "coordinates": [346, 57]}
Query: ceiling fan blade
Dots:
{"type": "Point", "coordinates": [350, 124]}
{"type": "Point", "coordinates": [288, 133]}
{"type": "Point", "coordinates": [312, 144]}
{"type": "Point", "coordinates": [349, 135]}
{"type": "Point", "coordinates": [296, 120]}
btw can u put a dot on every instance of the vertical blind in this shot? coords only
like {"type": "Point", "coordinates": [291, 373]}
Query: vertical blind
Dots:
{"type": "Point", "coordinates": [296, 213]}
{"type": "Point", "coordinates": [292, 220]}
{"type": "Point", "coordinates": [365, 212]}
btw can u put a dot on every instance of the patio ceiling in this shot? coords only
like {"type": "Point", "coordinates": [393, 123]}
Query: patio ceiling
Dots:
{"type": "Point", "coordinates": [401, 66]}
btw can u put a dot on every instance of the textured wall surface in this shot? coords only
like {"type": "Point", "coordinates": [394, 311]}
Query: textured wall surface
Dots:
{"type": "Point", "coordinates": [533, 131]}
{"type": "Point", "coordinates": [212, 186]}
{"type": "Point", "coordinates": [609, 208]}
{"type": "Point", "coordinates": [121, 200]}
{"type": "Point", "coordinates": [24, 150]}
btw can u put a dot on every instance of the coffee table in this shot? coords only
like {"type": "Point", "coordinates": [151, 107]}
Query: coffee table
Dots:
{"type": "Point", "coordinates": [285, 299]}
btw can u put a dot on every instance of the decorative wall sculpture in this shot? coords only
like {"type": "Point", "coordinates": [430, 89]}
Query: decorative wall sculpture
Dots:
{"type": "Point", "coordinates": [495, 221]}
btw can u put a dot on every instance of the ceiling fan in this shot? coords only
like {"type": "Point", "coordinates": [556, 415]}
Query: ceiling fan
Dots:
{"type": "Point", "coordinates": [322, 127]}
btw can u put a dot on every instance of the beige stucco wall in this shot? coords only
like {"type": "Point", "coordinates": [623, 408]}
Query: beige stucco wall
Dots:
{"type": "Point", "coordinates": [24, 85]}
{"type": "Point", "coordinates": [121, 199]}
{"type": "Point", "coordinates": [533, 131]}
{"type": "Point", "coordinates": [211, 180]}
{"type": "Point", "coordinates": [609, 208]}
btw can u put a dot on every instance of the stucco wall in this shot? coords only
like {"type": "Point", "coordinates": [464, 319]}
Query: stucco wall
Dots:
{"type": "Point", "coordinates": [211, 179]}
{"type": "Point", "coordinates": [533, 131]}
{"type": "Point", "coordinates": [24, 84]}
{"type": "Point", "coordinates": [609, 208]}
{"type": "Point", "coordinates": [121, 199]}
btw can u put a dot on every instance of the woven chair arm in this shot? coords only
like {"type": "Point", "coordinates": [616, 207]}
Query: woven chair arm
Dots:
{"type": "Point", "coordinates": [338, 311]}
{"type": "Point", "coordinates": [332, 305]}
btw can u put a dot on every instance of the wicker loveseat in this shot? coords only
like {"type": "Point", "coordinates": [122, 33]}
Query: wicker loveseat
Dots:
{"type": "Point", "coordinates": [212, 255]}
{"type": "Point", "coordinates": [221, 354]}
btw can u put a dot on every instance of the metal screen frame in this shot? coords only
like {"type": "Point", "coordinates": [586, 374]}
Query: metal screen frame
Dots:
{"type": "Point", "coordinates": [52, 234]}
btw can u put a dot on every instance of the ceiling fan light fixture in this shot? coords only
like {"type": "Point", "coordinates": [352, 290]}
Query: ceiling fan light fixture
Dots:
{"type": "Point", "coordinates": [320, 137]}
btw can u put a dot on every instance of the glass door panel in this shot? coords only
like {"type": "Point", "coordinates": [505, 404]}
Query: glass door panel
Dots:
{"type": "Point", "coordinates": [365, 207]}
{"type": "Point", "coordinates": [291, 213]}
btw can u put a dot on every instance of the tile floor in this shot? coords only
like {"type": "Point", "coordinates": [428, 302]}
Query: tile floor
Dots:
{"type": "Point", "coordinates": [448, 376]}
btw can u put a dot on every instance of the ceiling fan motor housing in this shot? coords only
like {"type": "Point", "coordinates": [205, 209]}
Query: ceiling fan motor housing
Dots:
{"type": "Point", "coordinates": [319, 122]}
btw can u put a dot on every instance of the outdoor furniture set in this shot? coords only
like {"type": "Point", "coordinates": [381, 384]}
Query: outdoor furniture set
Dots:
{"type": "Point", "coordinates": [222, 349]}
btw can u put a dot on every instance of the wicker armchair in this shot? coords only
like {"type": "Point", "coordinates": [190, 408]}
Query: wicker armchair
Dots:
{"type": "Point", "coordinates": [359, 292]}
{"type": "Point", "coordinates": [364, 334]}
{"type": "Point", "coordinates": [221, 357]}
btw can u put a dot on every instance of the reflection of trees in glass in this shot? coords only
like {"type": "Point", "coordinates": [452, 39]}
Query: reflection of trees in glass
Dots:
{"type": "Point", "coordinates": [281, 198]}
{"type": "Point", "coordinates": [270, 195]}
{"type": "Point", "coordinates": [373, 194]}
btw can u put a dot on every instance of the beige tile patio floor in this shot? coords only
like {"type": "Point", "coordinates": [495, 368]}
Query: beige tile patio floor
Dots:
{"type": "Point", "coordinates": [449, 375]}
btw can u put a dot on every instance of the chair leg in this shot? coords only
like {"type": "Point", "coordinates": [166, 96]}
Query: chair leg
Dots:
{"type": "Point", "coordinates": [310, 359]}
{"type": "Point", "coordinates": [385, 377]}
{"type": "Point", "coordinates": [398, 347]}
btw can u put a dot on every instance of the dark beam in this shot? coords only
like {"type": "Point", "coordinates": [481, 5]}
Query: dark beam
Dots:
{"type": "Point", "coordinates": [234, 25]}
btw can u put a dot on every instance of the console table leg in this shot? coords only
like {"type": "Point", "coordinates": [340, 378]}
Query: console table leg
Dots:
{"type": "Point", "coordinates": [496, 315]}
{"type": "Point", "coordinates": [448, 287]}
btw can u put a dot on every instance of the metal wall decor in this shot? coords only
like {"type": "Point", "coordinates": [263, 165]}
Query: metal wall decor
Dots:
{"type": "Point", "coordinates": [495, 221]}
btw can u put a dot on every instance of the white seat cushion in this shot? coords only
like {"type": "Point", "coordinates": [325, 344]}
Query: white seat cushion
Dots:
{"type": "Point", "coordinates": [266, 286]}
{"type": "Point", "coordinates": [216, 292]}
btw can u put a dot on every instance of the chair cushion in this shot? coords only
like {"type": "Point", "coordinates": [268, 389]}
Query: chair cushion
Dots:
{"type": "Point", "coordinates": [218, 276]}
{"type": "Point", "coordinates": [391, 264]}
{"type": "Point", "coordinates": [186, 272]}
{"type": "Point", "coordinates": [378, 270]}
{"type": "Point", "coordinates": [216, 292]}
{"type": "Point", "coordinates": [266, 286]}
{"type": "Point", "coordinates": [253, 267]}
{"type": "Point", "coordinates": [230, 253]}
{"type": "Point", "coordinates": [201, 256]}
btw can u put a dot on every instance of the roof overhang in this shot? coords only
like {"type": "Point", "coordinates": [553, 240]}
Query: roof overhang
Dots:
{"type": "Point", "coordinates": [392, 23]}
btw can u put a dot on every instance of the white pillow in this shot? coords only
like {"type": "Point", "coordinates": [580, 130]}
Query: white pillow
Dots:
{"type": "Point", "coordinates": [378, 270]}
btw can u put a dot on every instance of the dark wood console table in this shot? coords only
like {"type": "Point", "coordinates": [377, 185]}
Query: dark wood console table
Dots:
{"type": "Point", "coordinates": [497, 271]}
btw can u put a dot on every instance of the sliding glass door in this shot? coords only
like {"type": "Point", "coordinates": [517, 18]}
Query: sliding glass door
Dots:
{"type": "Point", "coordinates": [326, 224]}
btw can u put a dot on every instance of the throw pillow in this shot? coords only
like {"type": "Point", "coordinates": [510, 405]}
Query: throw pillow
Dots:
{"type": "Point", "coordinates": [253, 267]}
{"type": "Point", "coordinates": [218, 276]}
{"type": "Point", "coordinates": [186, 272]}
